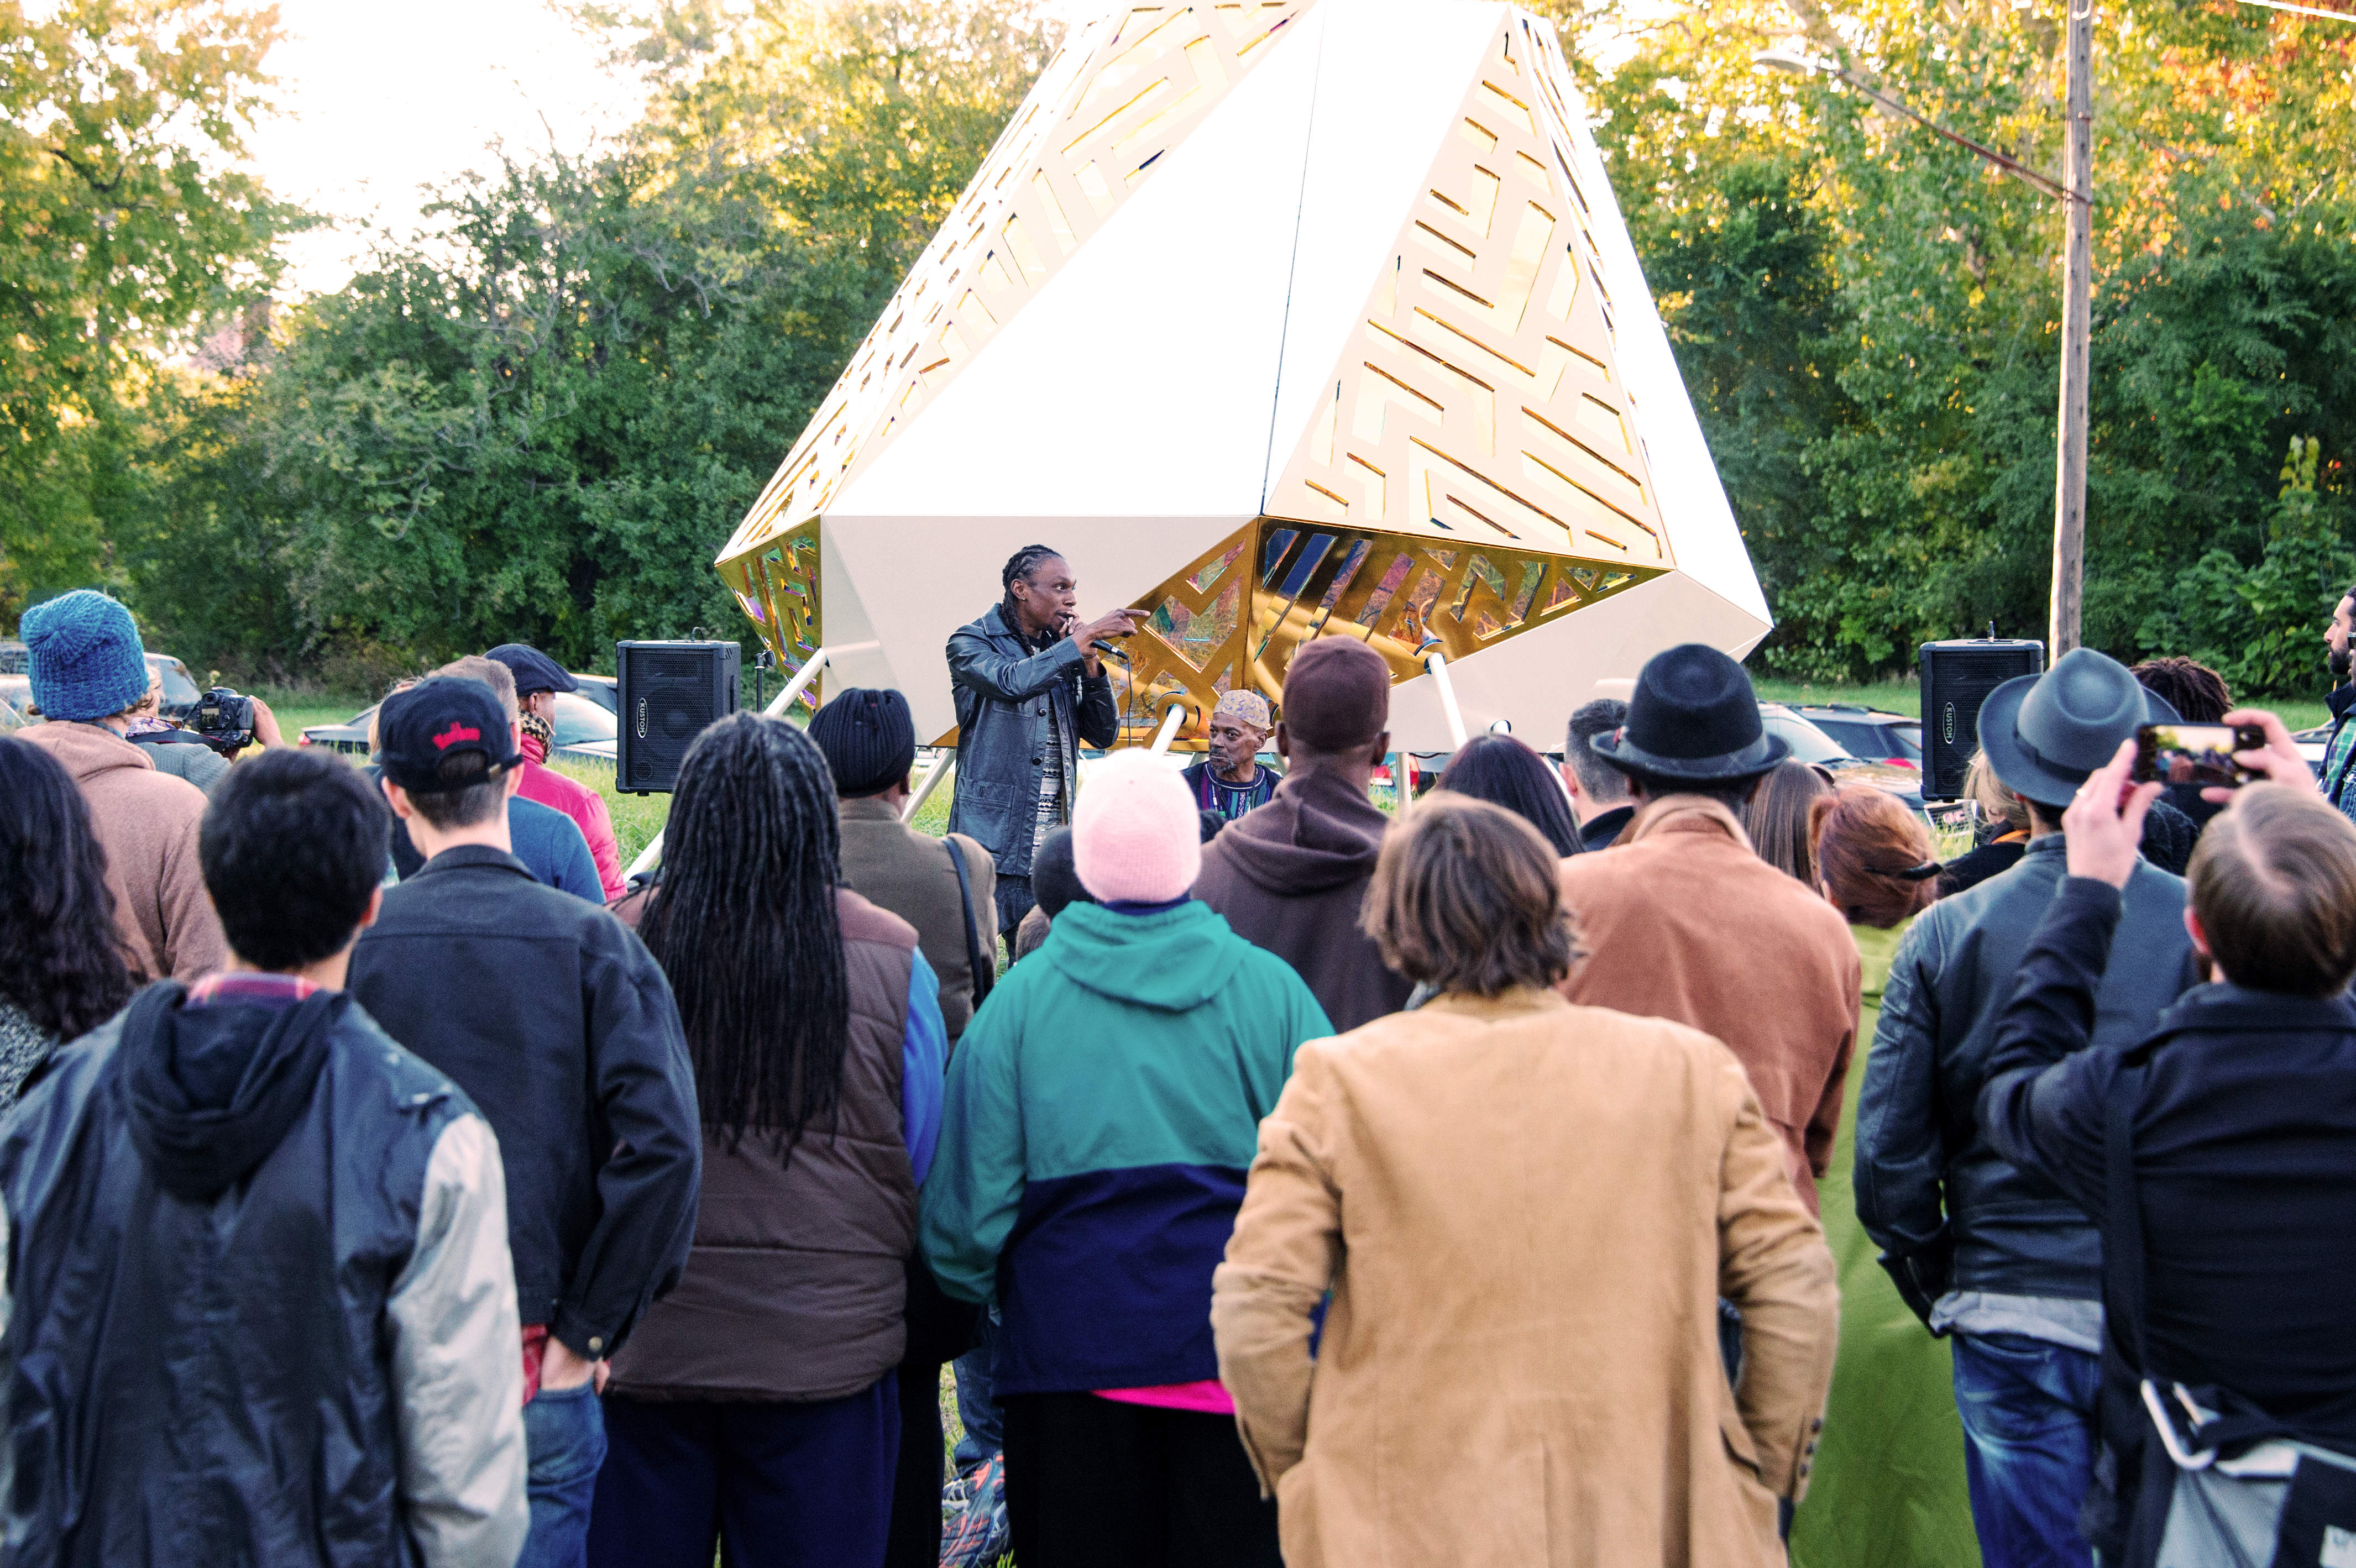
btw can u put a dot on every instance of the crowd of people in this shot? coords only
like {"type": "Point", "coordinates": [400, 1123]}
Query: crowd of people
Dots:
{"type": "Point", "coordinates": [1661, 1159]}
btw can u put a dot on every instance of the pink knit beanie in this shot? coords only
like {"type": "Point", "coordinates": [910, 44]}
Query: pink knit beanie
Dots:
{"type": "Point", "coordinates": [1136, 835]}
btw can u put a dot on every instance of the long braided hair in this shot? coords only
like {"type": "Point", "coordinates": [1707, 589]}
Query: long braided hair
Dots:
{"type": "Point", "coordinates": [744, 923]}
{"type": "Point", "coordinates": [1019, 568]}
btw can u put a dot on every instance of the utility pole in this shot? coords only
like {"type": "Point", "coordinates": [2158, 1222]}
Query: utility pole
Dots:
{"type": "Point", "coordinates": [2077, 327]}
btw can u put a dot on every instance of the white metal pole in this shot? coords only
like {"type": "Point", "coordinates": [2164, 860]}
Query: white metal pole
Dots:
{"type": "Point", "coordinates": [1437, 663]}
{"type": "Point", "coordinates": [935, 777]}
{"type": "Point", "coordinates": [1172, 717]}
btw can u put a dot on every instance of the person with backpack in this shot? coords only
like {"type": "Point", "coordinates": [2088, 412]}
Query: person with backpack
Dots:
{"type": "Point", "coordinates": [947, 888]}
{"type": "Point", "coordinates": [2217, 1156]}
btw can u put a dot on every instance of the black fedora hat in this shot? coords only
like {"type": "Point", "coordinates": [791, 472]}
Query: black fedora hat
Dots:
{"type": "Point", "coordinates": [2044, 734]}
{"type": "Point", "coordinates": [1694, 718]}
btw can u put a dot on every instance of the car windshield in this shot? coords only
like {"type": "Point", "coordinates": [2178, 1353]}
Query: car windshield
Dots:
{"type": "Point", "coordinates": [15, 657]}
{"type": "Point", "coordinates": [1808, 743]}
{"type": "Point", "coordinates": [178, 689]}
{"type": "Point", "coordinates": [579, 720]}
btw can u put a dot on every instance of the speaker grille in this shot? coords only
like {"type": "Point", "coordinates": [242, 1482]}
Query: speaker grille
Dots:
{"type": "Point", "coordinates": [670, 693]}
{"type": "Point", "coordinates": [1956, 679]}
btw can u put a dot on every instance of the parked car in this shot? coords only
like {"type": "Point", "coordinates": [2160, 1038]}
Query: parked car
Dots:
{"type": "Point", "coordinates": [16, 702]}
{"type": "Point", "coordinates": [1811, 743]}
{"type": "Point", "coordinates": [601, 689]}
{"type": "Point", "coordinates": [15, 657]}
{"type": "Point", "coordinates": [583, 728]}
{"type": "Point", "coordinates": [1869, 734]}
{"type": "Point", "coordinates": [2311, 744]}
{"type": "Point", "coordinates": [181, 692]}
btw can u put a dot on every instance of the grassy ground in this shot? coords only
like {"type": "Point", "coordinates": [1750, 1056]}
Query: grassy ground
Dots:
{"type": "Point", "coordinates": [1906, 697]}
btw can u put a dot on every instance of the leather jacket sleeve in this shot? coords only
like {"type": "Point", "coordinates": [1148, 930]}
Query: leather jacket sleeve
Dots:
{"type": "Point", "coordinates": [1900, 1152]}
{"type": "Point", "coordinates": [2033, 1111]}
{"type": "Point", "coordinates": [975, 663]}
{"type": "Point", "coordinates": [1098, 721]}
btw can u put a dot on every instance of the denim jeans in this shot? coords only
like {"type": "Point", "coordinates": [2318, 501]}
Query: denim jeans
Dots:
{"type": "Point", "coordinates": [564, 1442]}
{"type": "Point", "coordinates": [2028, 1412]}
{"type": "Point", "coordinates": [985, 1431]}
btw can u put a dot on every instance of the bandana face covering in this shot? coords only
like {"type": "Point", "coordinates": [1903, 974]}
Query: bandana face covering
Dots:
{"type": "Point", "coordinates": [539, 734]}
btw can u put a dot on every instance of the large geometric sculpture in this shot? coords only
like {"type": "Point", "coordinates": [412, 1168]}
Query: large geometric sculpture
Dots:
{"type": "Point", "coordinates": [1312, 318]}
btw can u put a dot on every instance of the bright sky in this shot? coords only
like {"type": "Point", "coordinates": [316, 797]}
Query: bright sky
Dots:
{"type": "Point", "coordinates": [381, 99]}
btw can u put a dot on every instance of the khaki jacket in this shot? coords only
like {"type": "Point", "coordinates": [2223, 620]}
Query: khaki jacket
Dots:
{"type": "Point", "coordinates": [1526, 1213]}
{"type": "Point", "coordinates": [1682, 919]}
{"type": "Point", "coordinates": [147, 821]}
{"type": "Point", "coordinates": [908, 873]}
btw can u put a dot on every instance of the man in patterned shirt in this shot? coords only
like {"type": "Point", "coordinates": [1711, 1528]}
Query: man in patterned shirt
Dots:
{"type": "Point", "coordinates": [1230, 779]}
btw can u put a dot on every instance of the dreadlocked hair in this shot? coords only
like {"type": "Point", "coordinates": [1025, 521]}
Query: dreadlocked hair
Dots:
{"type": "Point", "coordinates": [744, 924]}
{"type": "Point", "coordinates": [1019, 568]}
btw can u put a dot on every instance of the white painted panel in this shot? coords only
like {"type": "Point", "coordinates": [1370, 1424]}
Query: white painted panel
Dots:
{"type": "Point", "coordinates": [1536, 678]}
{"type": "Point", "coordinates": [1394, 75]}
{"type": "Point", "coordinates": [1702, 531]}
{"type": "Point", "coordinates": [1138, 381]}
{"type": "Point", "coordinates": [912, 580]}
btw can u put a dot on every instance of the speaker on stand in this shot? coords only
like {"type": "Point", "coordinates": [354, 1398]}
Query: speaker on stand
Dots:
{"type": "Point", "coordinates": [1956, 679]}
{"type": "Point", "coordinates": [668, 691]}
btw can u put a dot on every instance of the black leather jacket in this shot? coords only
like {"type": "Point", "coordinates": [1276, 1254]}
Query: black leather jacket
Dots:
{"type": "Point", "coordinates": [1946, 1209]}
{"type": "Point", "coordinates": [1005, 690]}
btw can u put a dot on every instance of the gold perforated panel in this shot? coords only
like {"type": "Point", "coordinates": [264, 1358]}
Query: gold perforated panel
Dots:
{"type": "Point", "coordinates": [1233, 617]}
{"type": "Point", "coordinates": [1479, 402]}
{"type": "Point", "coordinates": [1117, 96]}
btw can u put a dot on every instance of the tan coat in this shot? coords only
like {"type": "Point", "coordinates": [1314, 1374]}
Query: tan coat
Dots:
{"type": "Point", "coordinates": [1683, 921]}
{"type": "Point", "coordinates": [1526, 1213]}
{"type": "Point", "coordinates": [147, 821]}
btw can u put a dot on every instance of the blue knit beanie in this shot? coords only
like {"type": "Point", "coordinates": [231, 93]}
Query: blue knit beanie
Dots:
{"type": "Point", "coordinates": [85, 657]}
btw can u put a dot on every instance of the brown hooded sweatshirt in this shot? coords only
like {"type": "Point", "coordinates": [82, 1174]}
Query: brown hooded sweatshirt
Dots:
{"type": "Point", "coordinates": [147, 823]}
{"type": "Point", "coordinates": [1289, 876]}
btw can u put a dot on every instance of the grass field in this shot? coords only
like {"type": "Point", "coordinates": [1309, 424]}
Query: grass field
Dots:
{"type": "Point", "coordinates": [1906, 697]}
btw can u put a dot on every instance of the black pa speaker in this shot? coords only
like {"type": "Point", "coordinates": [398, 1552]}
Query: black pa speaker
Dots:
{"type": "Point", "coordinates": [668, 693]}
{"type": "Point", "coordinates": [1956, 679]}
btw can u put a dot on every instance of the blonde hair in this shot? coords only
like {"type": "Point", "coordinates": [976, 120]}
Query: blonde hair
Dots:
{"type": "Point", "coordinates": [2274, 881]}
{"type": "Point", "coordinates": [1998, 803]}
{"type": "Point", "coordinates": [491, 672]}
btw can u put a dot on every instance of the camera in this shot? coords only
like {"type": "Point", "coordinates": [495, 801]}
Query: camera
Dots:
{"type": "Point", "coordinates": [224, 719]}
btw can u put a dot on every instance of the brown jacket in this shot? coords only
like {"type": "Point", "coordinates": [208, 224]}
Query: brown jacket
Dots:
{"type": "Point", "coordinates": [1289, 877]}
{"type": "Point", "coordinates": [1526, 1213]}
{"type": "Point", "coordinates": [147, 821]}
{"type": "Point", "coordinates": [796, 1288]}
{"type": "Point", "coordinates": [907, 872]}
{"type": "Point", "coordinates": [1682, 921]}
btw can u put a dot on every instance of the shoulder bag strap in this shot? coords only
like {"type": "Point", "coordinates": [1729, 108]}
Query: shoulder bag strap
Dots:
{"type": "Point", "coordinates": [982, 973]}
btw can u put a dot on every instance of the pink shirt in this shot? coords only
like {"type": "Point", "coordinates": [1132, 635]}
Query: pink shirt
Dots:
{"type": "Point", "coordinates": [585, 806]}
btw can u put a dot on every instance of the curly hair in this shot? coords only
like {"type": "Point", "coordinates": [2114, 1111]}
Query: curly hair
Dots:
{"type": "Point", "coordinates": [62, 958]}
{"type": "Point", "coordinates": [744, 924]}
{"type": "Point", "coordinates": [2198, 693]}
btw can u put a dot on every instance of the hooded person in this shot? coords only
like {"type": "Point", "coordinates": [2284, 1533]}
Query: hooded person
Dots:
{"type": "Point", "coordinates": [261, 1308]}
{"type": "Point", "coordinates": [1100, 1118]}
{"type": "Point", "coordinates": [89, 673]}
{"type": "Point", "coordinates": [1291, 876]}
{"type": "Point", "coordinates": [1995, 1260]}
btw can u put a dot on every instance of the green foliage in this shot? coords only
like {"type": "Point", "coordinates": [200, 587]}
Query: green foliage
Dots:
{"type": "Point", "coordinates": [125, 222]}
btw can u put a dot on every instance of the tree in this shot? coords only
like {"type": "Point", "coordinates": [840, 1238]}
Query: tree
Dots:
{"type": "Point", "coordinates": [126, 220]}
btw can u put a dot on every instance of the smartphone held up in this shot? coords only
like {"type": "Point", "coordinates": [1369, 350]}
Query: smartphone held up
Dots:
{"type": "Point", "coordinates": [2195, 753]}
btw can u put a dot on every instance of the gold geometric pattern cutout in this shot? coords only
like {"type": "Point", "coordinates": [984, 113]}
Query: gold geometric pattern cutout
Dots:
{"type": "Point", "coordinates": [1109, 106]}
{"type": "Point", "coordinates": [1232, 618]}
{"type": "Point", "coordinates": [1478, 402]}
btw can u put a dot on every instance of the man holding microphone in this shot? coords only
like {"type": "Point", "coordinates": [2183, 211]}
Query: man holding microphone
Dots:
{"type": "Point", "coordinates": [1030, 689]}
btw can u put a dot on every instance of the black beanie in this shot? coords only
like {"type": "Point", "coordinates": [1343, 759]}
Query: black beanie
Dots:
{"type": "Point", "coordinates": [869, 740]}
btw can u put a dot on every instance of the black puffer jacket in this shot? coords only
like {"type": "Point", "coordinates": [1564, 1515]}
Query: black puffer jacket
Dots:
{"type": "Point", "coordinates": [1005, 690]}
{"type": "Point", "coordinates": [1947, 1210]}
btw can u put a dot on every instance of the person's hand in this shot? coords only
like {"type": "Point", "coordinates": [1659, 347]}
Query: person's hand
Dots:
{"type": "Point", "coordinates": [2104, 823]}
{"type": "Point", "coordinates": [2278, 761]}
{"type": "Point", "coordinates": [265, 724]}
{"type": "Point", "coordinates": [560, 1368]}
{"type": "Point", "coordinates": [1105, 628]}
